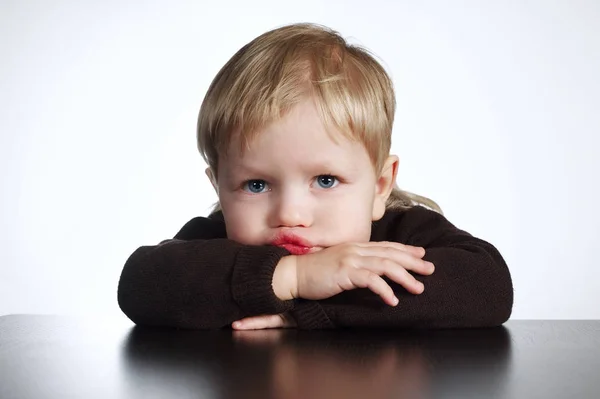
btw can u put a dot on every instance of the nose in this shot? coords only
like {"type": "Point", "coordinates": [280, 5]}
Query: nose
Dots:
{"type": "Point", "coordinates": [291, 210]}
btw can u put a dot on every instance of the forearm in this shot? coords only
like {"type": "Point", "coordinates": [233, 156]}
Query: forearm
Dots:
{"type": "Point", "coordinates": [199, 284]}
{"type": "Point", "coordinates": [471, 287]}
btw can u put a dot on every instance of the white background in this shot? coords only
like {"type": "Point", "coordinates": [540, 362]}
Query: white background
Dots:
{"type": "Point", "coordinates": [497, 121]}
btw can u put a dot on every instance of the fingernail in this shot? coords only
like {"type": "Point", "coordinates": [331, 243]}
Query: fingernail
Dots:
{"type": "Point", "coordinates": [237, 324]}
{"type": "Point", "coordinates": [395, 301]}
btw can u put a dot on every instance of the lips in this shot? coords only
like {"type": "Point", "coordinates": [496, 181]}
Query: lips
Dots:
{"type": "Point", "coordinates": [296, 245]}
{"type": "Point", "coordinates": [295, 249]}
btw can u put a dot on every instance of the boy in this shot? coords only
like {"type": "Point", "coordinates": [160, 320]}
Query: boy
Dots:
{"type": "Point", "coordinates": [310, 228]}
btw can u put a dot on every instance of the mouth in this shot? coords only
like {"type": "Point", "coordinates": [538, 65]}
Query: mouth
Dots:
{"type": "Point", "coordinates": [296, 245]}
{"type": "Point", "coordinates": [295, 249]}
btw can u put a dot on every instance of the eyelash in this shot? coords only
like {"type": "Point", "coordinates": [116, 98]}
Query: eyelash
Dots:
{"type": "Point", "coordinates": [336, 179]}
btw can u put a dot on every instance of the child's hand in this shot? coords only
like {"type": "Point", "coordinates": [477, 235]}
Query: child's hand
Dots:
{"type": "Point", "coordinates": [265, 321]}
{"type": "Point", "coordinates": [343, 267]}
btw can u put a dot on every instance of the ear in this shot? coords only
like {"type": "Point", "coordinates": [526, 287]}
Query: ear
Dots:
{"type": "Point", "coordinates": [384, 185]}
{"type": "Point", "coordinates": [213, 180]}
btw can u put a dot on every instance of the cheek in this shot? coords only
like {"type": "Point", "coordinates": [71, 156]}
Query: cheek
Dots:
{"type": "Point", "coordinates": [347, 221]}
{"type": "Point", "coordinates": [244, 223]}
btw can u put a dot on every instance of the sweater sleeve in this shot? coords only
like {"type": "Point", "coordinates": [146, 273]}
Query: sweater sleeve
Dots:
{"type": "Point", "coordinates": [199, 283]}
{"type": "Point", "coordinates": [470, 287]}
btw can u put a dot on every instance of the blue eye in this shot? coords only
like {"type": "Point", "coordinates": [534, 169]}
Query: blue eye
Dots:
{"type": "Point", "coordinates": [327, 181]}
{"type": "Point", "coordinates": [255, 186]}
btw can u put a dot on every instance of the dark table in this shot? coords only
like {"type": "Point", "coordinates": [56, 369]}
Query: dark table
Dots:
{"type": "Point", "coordinates": [58, 357]}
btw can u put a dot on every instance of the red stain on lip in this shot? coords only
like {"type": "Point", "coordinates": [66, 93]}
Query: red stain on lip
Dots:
{"type": "Point", "coordinates": [296, 245]}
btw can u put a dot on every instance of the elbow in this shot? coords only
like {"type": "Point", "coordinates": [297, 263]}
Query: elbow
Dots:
{"type": "Point", "coordinates": [498, 296]}
{"type": "Point", "coordinates": [132, 297]}
{"type": "Point", "coordinates": [496, 289]}
{"type": "Point", "coordinates": [504, 297]}
{"type": "Point", "coordinates": [488, 295]}
{"type": "Point", "coordinates": [127, 302]}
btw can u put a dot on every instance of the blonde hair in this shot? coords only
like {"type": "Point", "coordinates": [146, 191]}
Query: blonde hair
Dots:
{"type": "Point", "coordinates": [284, 66]}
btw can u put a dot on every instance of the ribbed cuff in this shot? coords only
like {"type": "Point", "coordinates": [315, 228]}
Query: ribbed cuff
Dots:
{"type": "Point", "coordinates": [309, 315]}
{"type": "Point", "coordinates": [252, 280]}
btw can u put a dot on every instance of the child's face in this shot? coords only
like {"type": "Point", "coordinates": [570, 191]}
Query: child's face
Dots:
{"type": "Point", "coordinates": [296, 186]}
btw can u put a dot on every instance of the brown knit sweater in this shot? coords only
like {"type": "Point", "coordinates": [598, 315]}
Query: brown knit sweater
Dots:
{"type": "Point", "coordinates": [202, 280]}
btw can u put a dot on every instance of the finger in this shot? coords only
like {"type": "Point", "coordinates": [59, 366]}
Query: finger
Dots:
{"type": "Point", "coordinates": [417, 251]}
{"type": "Point", "coordinates": [403, 258]}
{"type": "Point", "coordinates": [258, 322]}
{"type": "Point", "coordinates": [392, 270]}
{"type": "Point", "coordinates": [253, 323]}
{"type": "Point", "coordinates": [363, 278]}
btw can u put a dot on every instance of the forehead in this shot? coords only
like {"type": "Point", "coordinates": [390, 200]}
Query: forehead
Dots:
{"type": "Point", "coordinates": [298, 140]}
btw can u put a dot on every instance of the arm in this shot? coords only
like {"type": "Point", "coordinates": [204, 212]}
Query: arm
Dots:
{"type": "Point", "coordinates": [471, 285]}
{"type": "Point", "coordinates": [199, 281]}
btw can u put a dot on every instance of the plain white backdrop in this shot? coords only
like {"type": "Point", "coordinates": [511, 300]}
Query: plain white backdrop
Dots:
{"type": "Point", "coordinates": [497, 121]}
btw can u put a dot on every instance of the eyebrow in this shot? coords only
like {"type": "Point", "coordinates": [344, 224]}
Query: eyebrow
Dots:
{"type": "Point", "coordinates": [315, 168]}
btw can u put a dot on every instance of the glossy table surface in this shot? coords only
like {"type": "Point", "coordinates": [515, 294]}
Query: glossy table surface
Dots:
{"type": "Point", "coordinates": [59, 357]}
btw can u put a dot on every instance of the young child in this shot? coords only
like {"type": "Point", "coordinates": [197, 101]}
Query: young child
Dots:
{"type": "Point", "coordinates": [310, 229]}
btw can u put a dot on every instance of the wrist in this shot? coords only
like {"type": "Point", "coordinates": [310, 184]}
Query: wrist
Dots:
{"type": "Point", "coordinates": [285, 284]}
